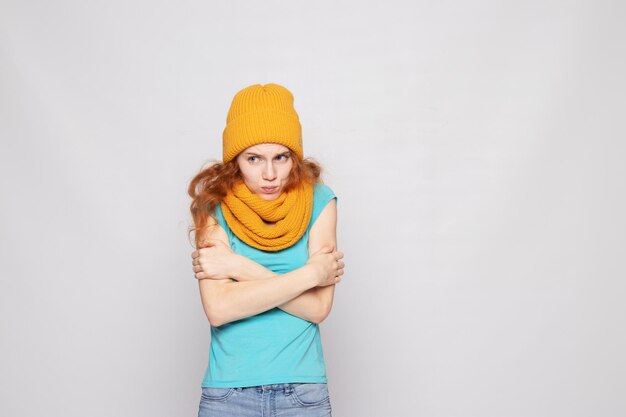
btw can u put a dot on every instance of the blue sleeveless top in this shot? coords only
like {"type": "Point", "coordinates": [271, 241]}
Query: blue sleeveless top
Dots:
{"type": "Point", "coordinates": [272, 347]}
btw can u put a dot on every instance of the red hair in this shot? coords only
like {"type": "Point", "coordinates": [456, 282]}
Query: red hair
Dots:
{"type": "Point", "coordinates": [209, 187]}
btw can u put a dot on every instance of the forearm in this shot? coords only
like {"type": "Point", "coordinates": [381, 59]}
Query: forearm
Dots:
{"type": "Point", "coordinates": [238, 300]}
{"type": "Point", "coordinates": [248, 270]}
{"type": "Point", "coordinates": [307, 305]}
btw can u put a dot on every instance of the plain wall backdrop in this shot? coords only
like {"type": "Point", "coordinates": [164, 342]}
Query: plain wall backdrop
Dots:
{"type": "Point", "coordinates": [476, 147]}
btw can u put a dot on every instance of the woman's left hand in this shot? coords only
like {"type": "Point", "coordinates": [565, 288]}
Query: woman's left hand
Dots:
{"type": "Point", "coordinates": [214, 260]}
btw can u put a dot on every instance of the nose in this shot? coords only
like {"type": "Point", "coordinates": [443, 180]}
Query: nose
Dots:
{"type": "Point", "coordinates": [269, 173]}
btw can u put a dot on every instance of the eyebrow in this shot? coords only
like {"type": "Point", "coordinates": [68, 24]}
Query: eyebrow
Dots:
{"type": "Point", "coordinates": [256, 154]}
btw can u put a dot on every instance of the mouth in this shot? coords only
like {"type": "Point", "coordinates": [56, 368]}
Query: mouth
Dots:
{"type": "Point", "coordinates": [269, 189]}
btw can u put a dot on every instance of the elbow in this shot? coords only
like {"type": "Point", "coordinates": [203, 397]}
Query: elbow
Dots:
{"type": "Point", "coordinates": [215, 322]}
{"type": "Point", "coordinates": [212, 317]}
{"type": "Point", "coordinates": [321, 315]}
{"type": "Point", "coordinates": [215, 307]}
{"type": "Point", "coordinates": [214, 313]}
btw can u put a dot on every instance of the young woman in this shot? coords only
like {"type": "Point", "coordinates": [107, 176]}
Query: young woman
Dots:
{"type": "Point", "coordinates": [266, 263]}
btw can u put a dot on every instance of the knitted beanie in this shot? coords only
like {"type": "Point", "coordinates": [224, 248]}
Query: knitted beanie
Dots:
{"type": "Point", "coordinates": [258, 114]}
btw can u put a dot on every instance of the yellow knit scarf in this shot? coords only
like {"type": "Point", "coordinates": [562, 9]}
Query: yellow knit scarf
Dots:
{"type": "Point", "coordinates": [246, 214]}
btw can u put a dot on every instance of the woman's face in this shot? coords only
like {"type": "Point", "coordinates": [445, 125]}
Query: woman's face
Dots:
{"type": "Point", "coordinates": [265, 169]}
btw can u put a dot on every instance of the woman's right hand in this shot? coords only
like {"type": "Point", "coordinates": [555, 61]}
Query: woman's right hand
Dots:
{"type": "Point", "coordinates": [327, 265]}
{"type": "Point", "coordinates": [214, 260]}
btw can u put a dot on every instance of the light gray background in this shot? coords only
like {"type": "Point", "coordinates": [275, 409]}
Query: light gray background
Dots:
{"type": "Point", "coordinates": [476, 149]}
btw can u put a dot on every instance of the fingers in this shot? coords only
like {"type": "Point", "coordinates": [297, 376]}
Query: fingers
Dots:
{"type": "Point", "coordinates": [340, 266]}
{"type": "Point", "coordinates": [215, 244]}
{"type": "Point", "coordinates": [338, 277]}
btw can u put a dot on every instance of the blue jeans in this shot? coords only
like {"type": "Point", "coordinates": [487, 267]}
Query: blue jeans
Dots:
{"type": "Point", "coordinates": [281, 400]}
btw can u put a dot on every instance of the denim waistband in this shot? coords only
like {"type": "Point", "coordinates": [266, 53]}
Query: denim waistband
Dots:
{"type": "Point", "coordinates": [286, 388]}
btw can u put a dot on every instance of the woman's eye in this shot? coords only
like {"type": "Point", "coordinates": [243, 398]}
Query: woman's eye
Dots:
{"type": "Point", "coordinates": [282, 157]}
{"type": "Point", "coordinates": [251, 158]}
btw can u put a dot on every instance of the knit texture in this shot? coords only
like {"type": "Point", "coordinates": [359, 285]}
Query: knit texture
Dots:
{"type": "Point", "coordinates": [246, 214]}
{"type": "Point", "coordinates": [260, 114]}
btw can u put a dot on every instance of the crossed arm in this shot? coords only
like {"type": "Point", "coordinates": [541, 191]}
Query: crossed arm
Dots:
{"type": "Point", "coordinates": [314, 303]}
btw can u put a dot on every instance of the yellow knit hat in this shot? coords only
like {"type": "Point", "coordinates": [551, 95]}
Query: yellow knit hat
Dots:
{"type": "Point", "coordinates": [258, 114]}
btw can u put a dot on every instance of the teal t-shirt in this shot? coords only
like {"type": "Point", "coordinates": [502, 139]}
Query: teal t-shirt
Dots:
{"type": "Point", "coordinates": [272, 347]}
